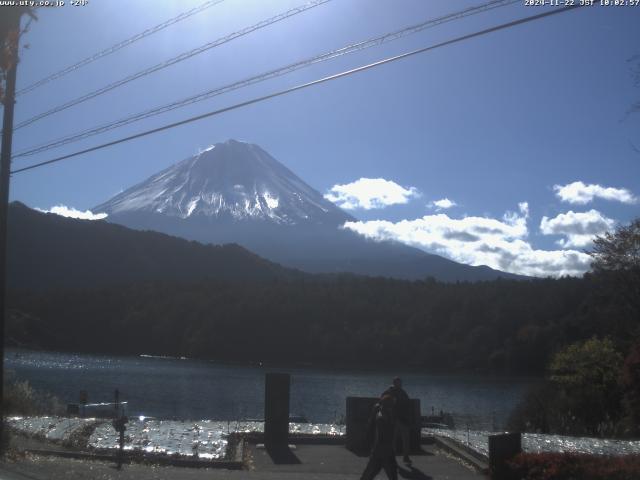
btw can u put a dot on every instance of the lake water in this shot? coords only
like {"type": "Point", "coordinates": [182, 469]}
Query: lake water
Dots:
{"type": "Point", "coordinates": [195, 389]}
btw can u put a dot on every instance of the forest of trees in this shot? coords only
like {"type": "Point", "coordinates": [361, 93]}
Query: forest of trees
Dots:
{"type": "Point", "coordinates": [284, 316]}
{"type": "Point", "coordinates": [499, 326]}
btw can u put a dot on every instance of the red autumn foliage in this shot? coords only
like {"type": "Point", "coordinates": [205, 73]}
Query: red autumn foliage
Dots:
{"type": "Point", "coordinates": [560, 466]}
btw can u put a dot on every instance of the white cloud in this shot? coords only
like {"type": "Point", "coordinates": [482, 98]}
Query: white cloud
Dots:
{"type": "Point", "coordinates": [497, 243]}
{"type": "Point", "coordinates": [578, 228]}
{"type": "Point", "coordinates": [442, 204]}
{"type": "Point", "coordinates": [370, 193]}
{"type": "Point", "coordinates": [73, 213]}
{"type": "Point", "coordinates": [524, 208]}
{"type": "Point", "coordinates": [580, 193]}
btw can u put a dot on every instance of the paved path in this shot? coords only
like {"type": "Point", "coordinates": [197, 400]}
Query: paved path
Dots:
{"type": "Point", "coordinates": [315, 462]}
{"type": "Point", "coordinates": [336, 462]}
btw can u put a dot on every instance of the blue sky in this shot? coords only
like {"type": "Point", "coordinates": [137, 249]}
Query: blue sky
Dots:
{"type": "Point", "coordinates": [525, 132]}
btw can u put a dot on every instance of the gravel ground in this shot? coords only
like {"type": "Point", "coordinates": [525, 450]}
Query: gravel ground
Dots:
{"type": "Point", "coordinates": [34, 467]}
{"type": "Point", "coordinates": [25, 466]}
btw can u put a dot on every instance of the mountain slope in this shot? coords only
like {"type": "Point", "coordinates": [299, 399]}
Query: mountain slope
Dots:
{"type": "Point", "coordinates": [234, 181]}
{"type": "Point", "coordinates": [50, 251]}
{"type": "Point", "coordinates": [235, 192]}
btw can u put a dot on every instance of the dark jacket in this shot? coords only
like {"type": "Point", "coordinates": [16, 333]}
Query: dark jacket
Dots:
{"type": "Point", "coordinates": [380, 432]}
{"type": "Point", "coordinates": [402, 409]}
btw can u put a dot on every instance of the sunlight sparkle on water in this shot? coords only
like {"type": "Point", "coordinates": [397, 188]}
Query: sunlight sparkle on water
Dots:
{"type": "Point", "coordinates": [538, 443]}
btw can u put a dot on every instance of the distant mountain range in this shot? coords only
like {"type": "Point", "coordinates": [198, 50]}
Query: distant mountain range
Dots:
{"type": "Point", "coordinates": [235, 192]}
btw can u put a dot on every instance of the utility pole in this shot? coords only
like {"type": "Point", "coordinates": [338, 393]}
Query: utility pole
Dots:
{"type": "Point", "coordinates": [11, 24]}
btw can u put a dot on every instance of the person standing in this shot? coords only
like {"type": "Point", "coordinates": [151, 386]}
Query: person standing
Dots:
{"type": "Point", "coordinates": [403, 416]}
{"type": "Point", "coordinates": [381, 428]}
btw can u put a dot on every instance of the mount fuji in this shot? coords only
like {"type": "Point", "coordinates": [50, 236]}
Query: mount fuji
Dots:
{"type": "Point", "coordinates": [235, 192]}
{"type": "Point", "coordinates": [234, 181]}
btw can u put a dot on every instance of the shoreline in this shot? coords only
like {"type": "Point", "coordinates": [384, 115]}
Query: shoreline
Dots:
{"type": "Point", "coordinates": [346, 368]}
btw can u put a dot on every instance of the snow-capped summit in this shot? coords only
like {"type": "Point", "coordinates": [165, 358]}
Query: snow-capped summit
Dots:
{"type": "Point", "coordinates": [233, 180]}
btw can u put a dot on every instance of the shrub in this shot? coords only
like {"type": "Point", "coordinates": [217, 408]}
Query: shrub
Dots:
{"type": "Point", "coordinates": [537, 411]}
{"type": "Point", "coordinates": [631, 388]}
{"type": "Point", "coordinates": [587, 373]}
{"type": "Point", "coordinates": [20, 398]}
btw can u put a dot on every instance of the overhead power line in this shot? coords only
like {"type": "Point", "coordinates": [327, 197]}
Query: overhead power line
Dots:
{"type": "Point", "coordinates": [355, 47]}
{"type": "Point", "coordinates": [118, 46]}
{"type": "Point", "coordinates": [172, 61]}
{"type": "Point", "coordinates": [280, 93]}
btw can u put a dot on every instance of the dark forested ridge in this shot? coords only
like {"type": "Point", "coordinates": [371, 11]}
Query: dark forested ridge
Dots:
{"type": "Point", "coordinates": [97, 287]}
{"type": "Point", "coordinates": [500, 326]}
{"type": "Point", "coordinates": [49, 251]}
